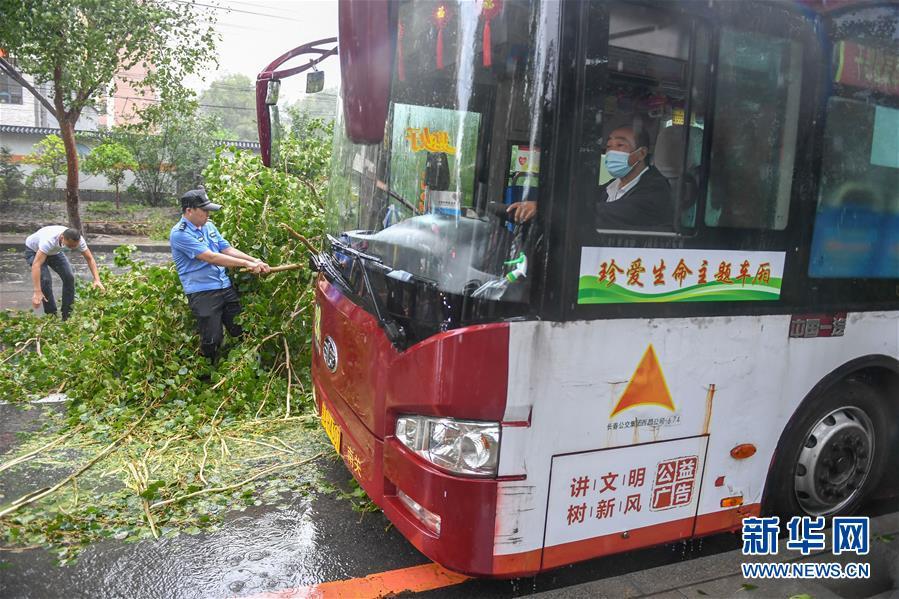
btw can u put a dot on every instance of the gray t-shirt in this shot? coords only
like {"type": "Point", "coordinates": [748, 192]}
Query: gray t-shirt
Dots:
{"type": "Point", "coordinates": [46, 239]}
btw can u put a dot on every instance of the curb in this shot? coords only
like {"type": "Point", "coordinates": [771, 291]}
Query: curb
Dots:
{"type": "Point", "coordinates": [161, 246]}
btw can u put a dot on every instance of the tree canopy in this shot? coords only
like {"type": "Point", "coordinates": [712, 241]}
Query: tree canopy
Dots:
{"type": "Point", "coordinates": [232, 99]}
{"type": "Point", "coordinates": [172, 146]}
{"type": "Point", "coordinates": [111, 160]}
{"type": "Point", "coordinates": [82, 46]}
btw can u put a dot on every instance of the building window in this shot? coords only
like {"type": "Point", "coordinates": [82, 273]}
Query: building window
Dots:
{"type": "Point", "coordinates": [10, 90]}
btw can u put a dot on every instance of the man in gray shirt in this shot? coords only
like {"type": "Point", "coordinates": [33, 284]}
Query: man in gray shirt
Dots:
{"type": "Point", "coordinates": [45, 249]}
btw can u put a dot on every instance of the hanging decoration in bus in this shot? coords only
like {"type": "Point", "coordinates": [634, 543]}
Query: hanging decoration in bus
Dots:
{"type": "Point", "coordinates": [441, 18]}
{"type": "Point", "coordinates": [867, 67]}
{"type": "Point", "coordinates": [634, 275]}
{"type": "Point", "coordinates": [489, 9]}
{"type": "Point", "coordinates": [433, 159]}
{"type": "Point", "coordinates": [603, 492]}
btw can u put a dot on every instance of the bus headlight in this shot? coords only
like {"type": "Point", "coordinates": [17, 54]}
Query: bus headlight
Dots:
{"type": "Point", "coordinates": [461, 446]}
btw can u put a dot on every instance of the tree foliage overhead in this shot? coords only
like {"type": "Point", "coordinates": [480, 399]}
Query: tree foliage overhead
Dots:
{"type": "Point", "coordinates": [82, 46]}
{"type": "Point", "coordinates": [232, 99]}
{"type": "Point", "coordinates": [172, 146]}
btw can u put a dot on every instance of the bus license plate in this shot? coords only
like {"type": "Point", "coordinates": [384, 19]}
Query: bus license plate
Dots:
{"type": "Point", "coordinates": [331, 428]}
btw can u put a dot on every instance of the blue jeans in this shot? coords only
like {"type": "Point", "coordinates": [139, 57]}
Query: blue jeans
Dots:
{"type": "Point", "coordinates": [61, 265]}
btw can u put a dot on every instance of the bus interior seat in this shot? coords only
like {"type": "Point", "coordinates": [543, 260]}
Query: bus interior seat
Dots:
{"type": "Point", "coordinates": [668, 158]}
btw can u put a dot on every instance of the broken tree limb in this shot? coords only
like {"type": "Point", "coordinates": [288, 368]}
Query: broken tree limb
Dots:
{"type": "Point", "coordinates": [305, 241]}
{"type": "Point", "coordinates": [32, 454]}
{"type": "Point", "coordinates": [281, 268]}
{"type": "Point", "coordinates": [32, 497]}
{"type": "Point", "coordinates": [160, 504]}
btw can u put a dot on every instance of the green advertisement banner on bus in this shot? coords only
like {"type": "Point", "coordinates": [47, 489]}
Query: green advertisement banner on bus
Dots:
{"type": "Point", "coordinates": [640, 275]}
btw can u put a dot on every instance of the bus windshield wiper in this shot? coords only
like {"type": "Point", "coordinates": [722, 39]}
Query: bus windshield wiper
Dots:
{"type": "Point", "coordinates": [395, 332]}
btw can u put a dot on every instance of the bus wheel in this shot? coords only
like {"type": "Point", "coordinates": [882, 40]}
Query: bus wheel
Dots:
{"type": "Point", "coordinates": [833, 455]}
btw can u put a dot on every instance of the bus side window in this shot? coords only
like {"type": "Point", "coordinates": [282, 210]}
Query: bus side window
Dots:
{"type": "Point", "coordinates": [754, 131]}
{"type": "Point", "coordinates": [856, 230]}
{"type": "Point", "coordinates": [640, 83]}
{"type": "Point", "coordinates": [857, 222]}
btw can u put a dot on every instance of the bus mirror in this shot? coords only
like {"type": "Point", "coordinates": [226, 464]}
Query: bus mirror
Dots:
{"type": "Point", "coordinates": [315, 82]}
{"type": "Point", "coordinates": [271, 92]}
{"type": "Point", "coordinates": [366, 61]}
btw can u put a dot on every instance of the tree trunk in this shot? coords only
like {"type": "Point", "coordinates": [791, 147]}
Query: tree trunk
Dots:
{"type": "Point", "coordinates": [118, 206]}
{"type": "Point", "coordinates": [67, 128]}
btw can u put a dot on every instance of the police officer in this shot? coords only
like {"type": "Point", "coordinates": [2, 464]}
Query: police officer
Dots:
{"type": "Point", "coordinates": [201, 255]}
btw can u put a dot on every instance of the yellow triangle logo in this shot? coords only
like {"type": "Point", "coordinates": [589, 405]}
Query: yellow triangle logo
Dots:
{"type": "Point", "coordinates": [647, 386]}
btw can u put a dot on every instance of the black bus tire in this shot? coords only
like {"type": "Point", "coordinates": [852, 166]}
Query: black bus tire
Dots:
{"type": "Point", "coordinates": [832, 455]}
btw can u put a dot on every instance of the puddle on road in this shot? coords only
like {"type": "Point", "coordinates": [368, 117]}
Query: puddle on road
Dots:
{"type": "Point", "coordinates": [258, 550]}
{"type": "Point", "coordinates": [253, 553]}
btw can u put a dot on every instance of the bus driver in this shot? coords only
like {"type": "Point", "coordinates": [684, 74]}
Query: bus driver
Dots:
{"type": "Point", "coordinates": [638, 198]}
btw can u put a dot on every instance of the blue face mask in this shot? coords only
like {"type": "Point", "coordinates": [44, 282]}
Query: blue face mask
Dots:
{"type": "Point", "coordinates": [616, 163]}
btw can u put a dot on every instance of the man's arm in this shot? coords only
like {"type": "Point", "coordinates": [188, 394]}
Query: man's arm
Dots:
{"type": "Point", "coordinates": [236, 253]}
{"type": "Point", "coordinates": [38, 296]}
{"type": "Point", "coordinates": [231, 261]}
{"type": "Point", "coordinates": [92, 265]}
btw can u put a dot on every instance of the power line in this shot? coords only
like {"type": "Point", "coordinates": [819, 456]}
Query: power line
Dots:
{"type": "Point", "coordinates": [246, 12]}
{"type": "Point", "coordinates": [261, 5]}
{"type": "Point", "coordinates": [154, 101]}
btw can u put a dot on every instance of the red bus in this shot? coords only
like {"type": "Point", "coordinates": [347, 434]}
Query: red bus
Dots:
{"type": "Point", "coordinates": [629, 359]}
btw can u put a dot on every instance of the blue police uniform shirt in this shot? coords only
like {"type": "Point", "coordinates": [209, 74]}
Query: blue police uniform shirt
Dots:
{"type": "Point", "coordinates": [187, 241]}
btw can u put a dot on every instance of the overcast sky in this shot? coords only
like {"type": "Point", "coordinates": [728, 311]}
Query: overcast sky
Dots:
{"type": "Point", "coordinates": [255, 32]}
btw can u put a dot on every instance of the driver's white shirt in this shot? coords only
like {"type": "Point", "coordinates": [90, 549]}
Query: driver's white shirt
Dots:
{"type": "Point", "coordinates": [614, 193]}
{"type": "Point", "coordinates": [46, 239]}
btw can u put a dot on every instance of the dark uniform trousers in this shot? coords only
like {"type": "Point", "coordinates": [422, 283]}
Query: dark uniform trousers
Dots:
{"type": "Point", "coordinates": [213, 309]}
{"type": "Point", "coordinates": [61, 266]}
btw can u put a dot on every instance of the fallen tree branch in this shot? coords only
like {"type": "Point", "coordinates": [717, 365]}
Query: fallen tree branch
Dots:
{"type": "Point", "coordinates": [30, 455]}
{"type": "Point", "coordinates": [19, 351]}
{"type": "Point", "coordinates": [305, 241]}
{"type": "Point", "coordinates": [281, 268]}
{"type": "Point", "coordinates": [160, 504]}
{"type": "Point", "coordinates": [41, 493]}
{"type": "Point", "coordinates": [263, 443]}
{"type": "Point", "coordinates": [289, 372]}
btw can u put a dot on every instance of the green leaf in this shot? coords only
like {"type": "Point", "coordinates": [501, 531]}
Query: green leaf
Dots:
{"type": "Point", "coordinates": [748, 587]}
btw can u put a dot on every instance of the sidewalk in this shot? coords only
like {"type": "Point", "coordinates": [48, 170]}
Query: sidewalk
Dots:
{"type": "Point", "coordinates": [719, 575]}
{"type": "Point", "coordinates": [95, 242]}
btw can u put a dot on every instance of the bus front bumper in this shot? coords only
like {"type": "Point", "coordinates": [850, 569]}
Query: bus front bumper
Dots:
{"type": "Point", "coordinates": [386, 470]}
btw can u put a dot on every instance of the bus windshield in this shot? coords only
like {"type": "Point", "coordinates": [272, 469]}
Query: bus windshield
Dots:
{"type": "Point", "coordinates": [435, 204]}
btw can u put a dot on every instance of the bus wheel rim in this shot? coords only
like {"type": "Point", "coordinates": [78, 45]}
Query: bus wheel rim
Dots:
{"type": "Point", "coordinates": [834, 462]}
